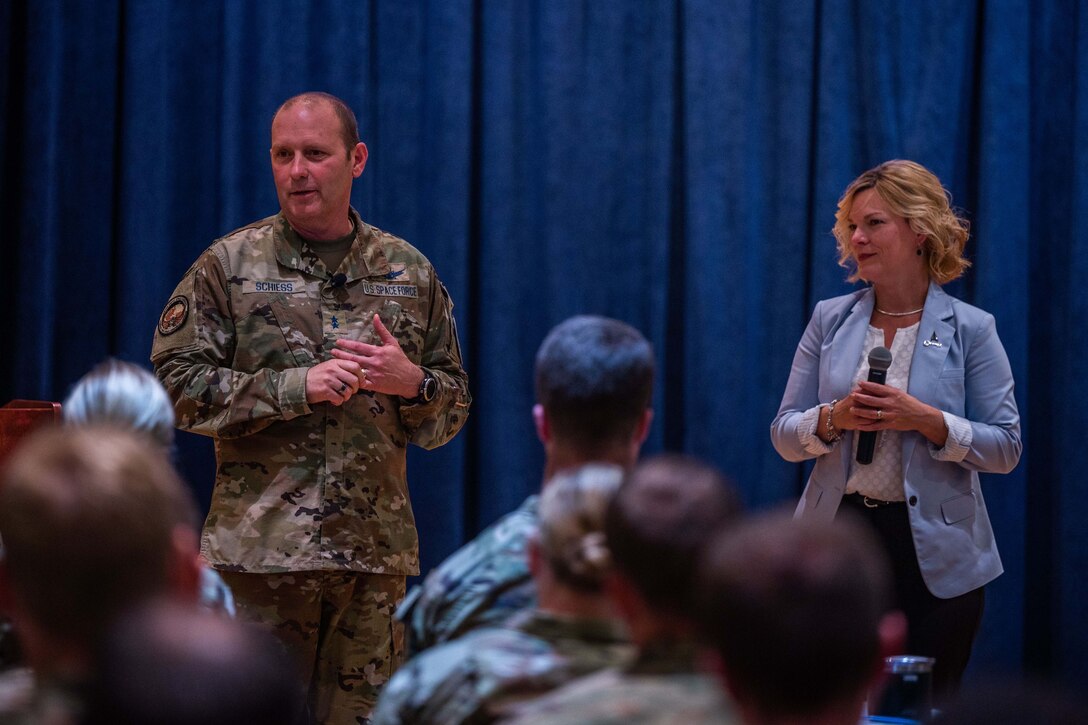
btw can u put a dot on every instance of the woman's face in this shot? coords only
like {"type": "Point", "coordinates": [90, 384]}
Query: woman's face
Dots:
{"type": "Point", "coordinates": [883, 245]}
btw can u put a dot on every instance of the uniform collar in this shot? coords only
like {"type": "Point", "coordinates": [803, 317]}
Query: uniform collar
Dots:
{"type": "Point", "coordinates": [366, 258]}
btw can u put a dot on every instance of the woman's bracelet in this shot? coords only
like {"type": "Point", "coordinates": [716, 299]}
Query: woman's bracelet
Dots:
{"type": "Point", "coordinates": [833, 435]}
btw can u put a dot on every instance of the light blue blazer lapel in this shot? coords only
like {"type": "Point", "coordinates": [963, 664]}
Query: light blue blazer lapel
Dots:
{"type": "Point", "coordinates": [845, 354]}
{"type": "Point", "coordinates": [846, 350]}
{"type": "Point", "coordinates": [935, 338]}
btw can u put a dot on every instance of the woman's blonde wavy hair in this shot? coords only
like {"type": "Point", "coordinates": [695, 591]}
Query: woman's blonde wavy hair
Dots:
{"type": "Point", "coordinates": [913, 192]}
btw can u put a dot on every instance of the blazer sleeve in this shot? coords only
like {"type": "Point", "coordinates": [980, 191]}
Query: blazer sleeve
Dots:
{"type": "Point", "coordinates": [990, 405]}
{"type": "Point", "coordinates": [802, 392]}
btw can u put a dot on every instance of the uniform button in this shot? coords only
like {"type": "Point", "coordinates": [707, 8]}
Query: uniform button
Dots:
{"type": "Point", "coordinates": [913, 500]}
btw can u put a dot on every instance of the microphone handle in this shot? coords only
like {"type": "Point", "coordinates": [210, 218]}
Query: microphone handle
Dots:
{"type": "Point", "coordinates": [867, 439]}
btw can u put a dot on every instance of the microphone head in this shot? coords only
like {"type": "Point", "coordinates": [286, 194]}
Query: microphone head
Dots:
{"type": "Point", "coordinates": [880, 358]}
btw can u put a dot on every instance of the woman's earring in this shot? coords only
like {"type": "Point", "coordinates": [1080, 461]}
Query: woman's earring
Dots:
{"type": "Point", "coordinates": [919, 252]}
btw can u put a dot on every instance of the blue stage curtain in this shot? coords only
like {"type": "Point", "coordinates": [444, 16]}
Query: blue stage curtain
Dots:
{"type": "Point", "coordinates": [675, 164]}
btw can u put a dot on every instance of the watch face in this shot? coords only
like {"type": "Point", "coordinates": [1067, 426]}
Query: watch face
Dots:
{"type": "Point", "coordinates": [428, 388]}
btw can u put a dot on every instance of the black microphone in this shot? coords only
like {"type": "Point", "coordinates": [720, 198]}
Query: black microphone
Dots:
{"type": "Point", "coordinates": [339, 280]}
{"type": "Point", "coordinates": [880, 359]}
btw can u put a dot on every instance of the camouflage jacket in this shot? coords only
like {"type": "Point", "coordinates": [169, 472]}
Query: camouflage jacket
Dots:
{"type": "Point", "coordinates": [481, 584]}
{"type": "Point", "coordinates": [475, 678]}
{"type": "Point", "coordinates": [661, 687]}
{"type": "Point", "coordinates": [301, 488]}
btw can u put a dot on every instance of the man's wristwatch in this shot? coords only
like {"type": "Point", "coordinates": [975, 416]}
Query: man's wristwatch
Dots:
{"type": "Point", "coordinates": [428, 388]}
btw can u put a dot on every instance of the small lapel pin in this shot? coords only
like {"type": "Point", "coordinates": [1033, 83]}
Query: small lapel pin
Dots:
{"type": "Point", "coordinates": [933, 341]}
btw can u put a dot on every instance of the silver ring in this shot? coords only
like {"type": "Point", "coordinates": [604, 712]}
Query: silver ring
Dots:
{"type": "Point", "coordinates": [343, 387]}
{"type": "Point", "coordinates": [879, 414]}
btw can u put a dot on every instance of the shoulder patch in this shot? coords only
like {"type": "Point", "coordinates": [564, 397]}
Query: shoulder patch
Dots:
{"type": "Point", "coordinates": [174, 315]}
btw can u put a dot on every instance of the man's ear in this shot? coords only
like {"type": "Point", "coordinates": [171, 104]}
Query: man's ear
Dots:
{"type": "Point", "coordinates": [5, 587]}
{"type": "Point", "coordinates": [535, 555]}
{"type": "Point", "coordinates": [892, 636]}
{"type": "Point", "coordinates": [710, 660]}
{"type": "Point", "coordinates": [892, 632]}
{"type": "Point", "coordinates": [625, 598]}
{"type": "Point", "coordinates": [185, 564]}
{"type": "Point", "coordinates": [542, 424]}
{"type": "Point", "coordinates": [358, 159]}
{"type": "Point", "coordinates": [643, 430]}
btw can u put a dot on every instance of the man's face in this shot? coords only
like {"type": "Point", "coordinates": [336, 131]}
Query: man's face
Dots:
{"type": "Point", "coordinates": [313, 171]}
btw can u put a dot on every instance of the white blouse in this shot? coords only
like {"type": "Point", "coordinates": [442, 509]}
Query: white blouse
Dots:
{"type": "Point", "coordinates": [883, 478]}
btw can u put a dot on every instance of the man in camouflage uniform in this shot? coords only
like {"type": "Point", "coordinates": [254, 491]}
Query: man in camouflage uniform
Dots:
{"type": "Point", "coordinates": [594, 383]}
{"type": "Point", "coordinates": [572, 631]}
{"type": "Point", "coordinates": [314, 347]}
{"type": "Point", "coordinates": [665, 512]}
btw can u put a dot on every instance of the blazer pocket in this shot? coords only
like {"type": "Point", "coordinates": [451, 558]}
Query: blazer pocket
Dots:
{"type": "Point", "coordinates": [958, 508]}
{"type": "Point", "coordinates": [951, 391]}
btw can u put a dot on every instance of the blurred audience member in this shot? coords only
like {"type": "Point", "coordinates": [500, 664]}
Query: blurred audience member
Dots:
{"type": "Point", "coordinates": [123, 395]}
{"type": "Point", "coordinates": [172, 665]}
{"type": "Point", "coordinates": [594, 383]}
{"type": "Point", "coordinates": [796, 614]}
{"type": "Point", "coordinates": [667, 509]}
{"type": "Point", "coordinates": [127, 396]}
{"type": "Point", "coordinates": [94, 522]}
{"type": "Point", "coordinates": [571, 632]}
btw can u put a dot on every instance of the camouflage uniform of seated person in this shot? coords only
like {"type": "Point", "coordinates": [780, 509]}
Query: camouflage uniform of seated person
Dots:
{"type": "Point", "coordinates": [571, 632]}
{"type": "Point", "coordinates": [667, 509]}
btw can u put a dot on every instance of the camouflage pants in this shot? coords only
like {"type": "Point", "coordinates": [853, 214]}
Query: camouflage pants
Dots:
{"type": "Point", "coordinates": [341, 627]}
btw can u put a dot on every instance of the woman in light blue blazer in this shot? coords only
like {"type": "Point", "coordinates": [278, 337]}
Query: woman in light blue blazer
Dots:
{"type": "Point", "coordinates": [946, 412]}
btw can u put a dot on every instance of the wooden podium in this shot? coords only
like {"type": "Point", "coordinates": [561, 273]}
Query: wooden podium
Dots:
{"type": "Point", "coordinates": [19, 418]}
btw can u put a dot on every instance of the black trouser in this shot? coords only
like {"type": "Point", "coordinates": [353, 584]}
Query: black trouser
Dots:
{"type": "Point", "coordinates": [941, 628]}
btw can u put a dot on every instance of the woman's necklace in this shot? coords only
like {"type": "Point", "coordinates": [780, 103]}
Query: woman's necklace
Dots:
{"type": "Point", "coordinates": [899, 314]}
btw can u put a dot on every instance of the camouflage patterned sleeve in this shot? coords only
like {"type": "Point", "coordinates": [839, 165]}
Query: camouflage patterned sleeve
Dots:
{"type": "Point", "coordinates": [432, 424]}
{"type": "Point", "coordinates": [192, 354]}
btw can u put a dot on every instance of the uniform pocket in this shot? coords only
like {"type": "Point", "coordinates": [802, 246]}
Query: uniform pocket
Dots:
{"type": "Point", "coordinates": [260, 340]}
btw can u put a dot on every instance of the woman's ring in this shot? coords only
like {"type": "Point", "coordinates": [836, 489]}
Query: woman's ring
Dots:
{"type": "Point", "coordinates": [343, 387]}
{"type": "Point", "coordinates": [879, 414]}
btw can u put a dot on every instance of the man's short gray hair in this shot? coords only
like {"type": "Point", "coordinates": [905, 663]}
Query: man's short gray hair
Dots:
{"type": "Point", "coordinates": [124, 395]}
